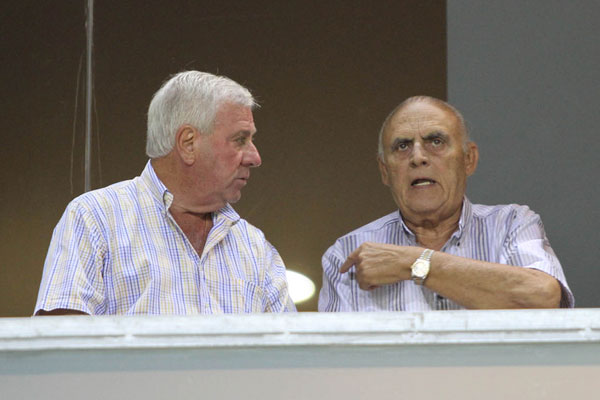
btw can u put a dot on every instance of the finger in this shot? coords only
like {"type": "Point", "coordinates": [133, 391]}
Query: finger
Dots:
{"type": "Point", "coordinates": [347, 264]}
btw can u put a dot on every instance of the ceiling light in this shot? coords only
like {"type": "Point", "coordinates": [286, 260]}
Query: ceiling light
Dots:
{"type": "Point", "coordinates": [301, 288]}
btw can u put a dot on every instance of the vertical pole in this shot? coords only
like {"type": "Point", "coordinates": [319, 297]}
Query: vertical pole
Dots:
{"type": "Point", "coordinates": [88, 100]}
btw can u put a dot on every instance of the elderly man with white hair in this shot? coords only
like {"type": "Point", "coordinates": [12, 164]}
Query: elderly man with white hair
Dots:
{"type": "Point", "coordinates": [168, 241]}
{"type": "Point", "coordinates": [439, 251]}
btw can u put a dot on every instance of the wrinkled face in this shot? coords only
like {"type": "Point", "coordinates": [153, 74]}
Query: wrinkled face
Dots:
{"type": "Point", "coordinates": [227, 155]}
{"type": "Point", "coordinates": [424, 162]}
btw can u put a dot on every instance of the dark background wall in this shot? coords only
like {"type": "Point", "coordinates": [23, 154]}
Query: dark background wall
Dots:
{"type": "Point", "coordinates": [525, 74]}
{"type": "Point", "coordinates": [325, 73]}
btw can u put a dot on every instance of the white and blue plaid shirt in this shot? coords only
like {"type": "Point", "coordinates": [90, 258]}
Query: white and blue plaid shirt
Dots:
{"type": "Point", "coordinates": [505, 234]}
{"type": "Point", "coordinates": [118, 250]}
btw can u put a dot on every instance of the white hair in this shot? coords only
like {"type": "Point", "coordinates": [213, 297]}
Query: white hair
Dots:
{"type": "Point", "coordinates": [432, 100]}
{"type": "Point", "coordinates": [193, 98]}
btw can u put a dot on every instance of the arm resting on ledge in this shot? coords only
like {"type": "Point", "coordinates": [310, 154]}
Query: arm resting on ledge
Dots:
{"type": "Point", "coordinates": [480, 284]}
{"type": "Point", "coordinates": [60, 311]}
{"type": "Point", "coordinates": [472, 283]}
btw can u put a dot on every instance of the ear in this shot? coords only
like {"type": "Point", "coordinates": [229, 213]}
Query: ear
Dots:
{"type": "Point", "coordinates": [383, 170]}
{"type": "Point", "coordinates": [471, 158]}
{"type": "Point", "coordinates": [184, 143]}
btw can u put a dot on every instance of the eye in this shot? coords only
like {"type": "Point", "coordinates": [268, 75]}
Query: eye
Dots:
{"type": "Point", "coordinates": [437, 142]}
{"type": "Point", "coordinates": [400, 146]}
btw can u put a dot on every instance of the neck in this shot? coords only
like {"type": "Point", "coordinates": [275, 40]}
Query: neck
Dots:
{"type": "Point", "coordinates": [195, 227]}
{"type": "Point", "coordinates": [433, 233]}
{"type": "Point", "coordinates": [176, 177]}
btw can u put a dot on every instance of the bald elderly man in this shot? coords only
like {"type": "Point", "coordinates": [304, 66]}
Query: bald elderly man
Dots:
{"type": "Point", "coordinates": [439, 251]}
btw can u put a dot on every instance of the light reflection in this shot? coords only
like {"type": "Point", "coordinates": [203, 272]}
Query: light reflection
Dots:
{"type": "Point", "coordinates": [301, 288]}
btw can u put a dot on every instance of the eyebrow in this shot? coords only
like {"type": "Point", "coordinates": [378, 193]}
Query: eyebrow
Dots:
{"type": "Point", "coordinates": [436, 135]}
{"type": "Point", "coordinates": [428, 137]}
{"type": "Point", "coordinates": [398, 141]}
{"type": "Point", "coordinates": [245, 133]}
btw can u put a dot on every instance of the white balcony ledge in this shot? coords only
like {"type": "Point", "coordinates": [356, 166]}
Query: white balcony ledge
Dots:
{"type": "Point", "coordinates": [504, 352]}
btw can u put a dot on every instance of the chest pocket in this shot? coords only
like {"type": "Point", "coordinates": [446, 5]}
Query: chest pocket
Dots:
{"type": "Point", "coordinates": [234, 295]}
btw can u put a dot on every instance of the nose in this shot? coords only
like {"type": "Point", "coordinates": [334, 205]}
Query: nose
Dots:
{"type": "Point", "coordinates": [418, 156]}
{"type": "Point", "coordinates": [252, 157]}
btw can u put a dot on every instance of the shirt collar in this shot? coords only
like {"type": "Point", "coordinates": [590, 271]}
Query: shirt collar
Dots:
{"type": "Point", "coordinates": [466, 215]}
{"type": "Point", "coordinates": [161, 193]}
{"type": "Point", "coordinates": [228, 214]}
{"type": "Point", "coordinates": [465, 218]}
{"type": "Point", "coordinates": [157, 188]}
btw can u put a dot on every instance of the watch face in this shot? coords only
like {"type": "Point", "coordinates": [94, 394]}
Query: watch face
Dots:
{"type": "Point", "coordinates": [420, 268]}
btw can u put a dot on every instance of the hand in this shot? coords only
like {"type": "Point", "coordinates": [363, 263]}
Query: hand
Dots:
{"type": "Point", "coordinates": [379, 264]}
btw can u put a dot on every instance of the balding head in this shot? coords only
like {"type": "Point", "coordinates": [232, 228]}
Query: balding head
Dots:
{"type": "Point", "coordinates": [425, 160]}
{"type": "Point", "coordinates": [430, 100]}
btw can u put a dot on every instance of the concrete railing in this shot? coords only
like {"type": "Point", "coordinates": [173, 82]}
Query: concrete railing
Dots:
{"type": "Point", "coordinates": [442, 354]}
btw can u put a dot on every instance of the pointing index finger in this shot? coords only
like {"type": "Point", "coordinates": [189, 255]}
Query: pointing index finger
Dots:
{"type": "Point", "coordinates": [348, 263]}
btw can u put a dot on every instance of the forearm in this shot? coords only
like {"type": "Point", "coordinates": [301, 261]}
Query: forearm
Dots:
{"type": "Point", "coordinates": [483, 285]}
{"type": "Point", "coordinates": [60, 311]}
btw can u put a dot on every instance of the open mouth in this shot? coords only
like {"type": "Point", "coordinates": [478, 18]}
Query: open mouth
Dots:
{"type": "Point", "coordinates": [422, 182]}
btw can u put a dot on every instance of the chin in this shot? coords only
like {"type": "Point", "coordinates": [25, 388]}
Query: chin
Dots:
{"type": "Point", "coordinates": [423, 209]}
{"type": "Point", "coordinates": [234, 199]}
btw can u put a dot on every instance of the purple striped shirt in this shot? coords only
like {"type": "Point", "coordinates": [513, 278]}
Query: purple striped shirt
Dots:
{"type": "Point", "coordinates": [118, 250]}
{"type": "Point", "coordinates": [505, 234]}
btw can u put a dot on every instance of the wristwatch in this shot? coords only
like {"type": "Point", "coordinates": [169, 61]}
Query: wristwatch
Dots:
{"type": "Point", "coordinates": [420, 268]}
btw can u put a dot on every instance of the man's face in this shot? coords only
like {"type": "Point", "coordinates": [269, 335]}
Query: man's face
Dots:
{"type": "Point", "coordinates": [424, 163]}
{"type": "Point", "coordinates": [226, 155]}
